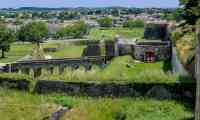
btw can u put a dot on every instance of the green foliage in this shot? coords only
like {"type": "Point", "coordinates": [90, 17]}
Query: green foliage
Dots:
{"type": "Point", "coordinates": [15, 106]}
{"type": "Point", "coordinates": [68, 15]}
{"type": "Point", "coordinates": [128, 109]}
{"type": "Point", "coordinates": [76, 30]}
{"type": "Point", "coordinates": [134, 23]}
{"type": "Point", "coordinates": [25, 106]}
{"type": "Point", "coordinates": [6, 38]}
{"type": "Point", "coordinates": [14, 76]}
{"type": "Point", "coordinates": [173, 16]}
{"type": "Point", "coordinates": [121, 69]}
{"type": "Point", "coordinates": [35, 32]}
{"type": "Point", "coordinates": [191, 10]}
{"type": "Point", "coordinates": [105, 22]}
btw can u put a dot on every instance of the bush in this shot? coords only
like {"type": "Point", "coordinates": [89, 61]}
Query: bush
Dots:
{"type": "Point", "coordinates": [105, 22]}
{"type": "Point", "coordinates": [14, 76]}
{"type": "Point", "coordinates": [12, 80]}
{"type": "Point", "coordinates": [76, 30]}
{"type": "Point", "coordinates": [134, 23]}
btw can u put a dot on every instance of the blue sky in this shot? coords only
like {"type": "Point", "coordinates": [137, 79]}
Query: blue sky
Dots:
{"type": "Point", "coordinates": [88, 3]}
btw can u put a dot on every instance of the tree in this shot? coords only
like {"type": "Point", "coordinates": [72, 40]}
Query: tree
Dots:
{"type": "Point", "coordinates": [6, 38]}
{"type": "Point", "coordinates": [34, 32]}
{"type": "Point", "coordinates": [191, 10]}
{"type": "Point", "coordinates": [76, 30]}
{"type": "Point", "coordinates": [105, 22]}
{"type": "Point", "coordinates": [134, 23]}
{"type": "Point", "coordinates": [197, 106]}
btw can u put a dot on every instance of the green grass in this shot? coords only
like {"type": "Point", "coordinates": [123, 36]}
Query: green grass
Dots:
{"type": "Point", "coordinates": [16, 105]}
{"type": "Point", "coordinates": [119, 69]}
{"type": "Point", "coordinates": [110, 34]}
{"type": "Point", "coordinates": [24, 106]}
{"type": "Point", "coordinates": [128, 109]}
{"type": "Point", "coordinates": [17, 51]}
{"type": "Point", "coordinates": [64, 50]}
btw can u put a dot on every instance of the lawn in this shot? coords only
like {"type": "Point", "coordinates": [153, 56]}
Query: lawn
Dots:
{"type": "Point", "coordinates": [64, 50]}
{"type": "Point", "coordinates": [123, 68]}
{"type": "Point", "coordinates": [16, 105]}
{"type": "Point", "coordinates": [111, 33]}
{"type": "Point", "coordinates": [17, 51]}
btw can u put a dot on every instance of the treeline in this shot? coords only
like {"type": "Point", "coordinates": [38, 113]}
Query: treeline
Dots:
{"type": "Point", "coordinates": [47, 13]}
{"type": "Point", "coordinates": [108, 22]}
{"type": "Point", "coordinates": [76, 30]}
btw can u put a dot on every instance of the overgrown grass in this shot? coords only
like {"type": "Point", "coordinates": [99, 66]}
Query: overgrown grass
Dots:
{"type": "Point", "coordinates": [128, 109]}
{"type": "Point", "coordinates": [17, 105]}
{"type": "Point", "coordinates": [24, 106]}
{"type": "Point", "coordinates": [110, 34]}
{"type": "Point", "coordinates": [120, 69]}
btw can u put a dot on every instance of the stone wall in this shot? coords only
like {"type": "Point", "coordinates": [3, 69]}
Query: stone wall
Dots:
{"type": "Point", "coordinates": [162, 50]}
{"type": "Point", "coordinates": [94, 89]}
{"type": "Point", "coordinates": [156, 30]}
{"type": "Point", "coordinates": [125, 49]}
{"type": "Point", "coordinates": [15, 84]}
{"type": "Point", "coordinates": [111, 48]}
{"type": "Point", "coordinates": [93, 49]}
{"type": "Point", "coordinates": [36, 66]}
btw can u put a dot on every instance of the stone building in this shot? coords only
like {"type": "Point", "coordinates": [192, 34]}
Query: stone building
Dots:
{"type": "Point", "coordinates": [143, 51]}
{"type": "Point", "coordinates": [152, 50]}
{"type": "Point", "coordinates": [156, 45]}
{"type": "Point", "coordinates": [156, 30]}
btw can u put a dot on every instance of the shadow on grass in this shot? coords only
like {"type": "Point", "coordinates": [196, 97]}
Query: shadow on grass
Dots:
{"type": "Point", "coordinates": [167, 66]}
{"type": "Point", "coordinates": [188, 118]}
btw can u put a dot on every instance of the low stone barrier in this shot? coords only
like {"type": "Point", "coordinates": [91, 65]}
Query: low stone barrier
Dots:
{"type": "Point", "coordinates": [94, 89]}
{"type": "Point", "coordinates": [15, 84]}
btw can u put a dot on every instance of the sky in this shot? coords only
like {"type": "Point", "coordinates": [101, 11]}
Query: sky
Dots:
{"type": "Point", "coordinates": [88, 3]}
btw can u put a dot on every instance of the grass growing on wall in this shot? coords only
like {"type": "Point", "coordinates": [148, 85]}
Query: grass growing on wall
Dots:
{"type": "Point", "coordinates": [16, 105]}
{"type": "Point", "coordinates": [110, 34]}
{"type": "Point", "coordinates": [120, 69]}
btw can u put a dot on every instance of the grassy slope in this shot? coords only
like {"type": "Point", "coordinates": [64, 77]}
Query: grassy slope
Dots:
{"type": "Point", "coordinates": [129, 109]}
{"type": "Point", "coordinates": [24, 106]}
{"type": "Point", "coordinates": [120, 69]}
{"type": "Point", "coordinates": [109, 34]}
{"type": "Point", "coordinates": [17, 105]}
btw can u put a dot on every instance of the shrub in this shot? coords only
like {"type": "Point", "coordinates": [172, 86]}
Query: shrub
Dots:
{"type": "Point", "coordinates": [12, 80]}
{"type": "Point", "coordinates": [76, 30]}
{"type": "Point", "coordinates": [105, 22]}
{"type": "Point", "coordinates": [134, 23]}
{"type": "Point", "coordinates": [14, 76]}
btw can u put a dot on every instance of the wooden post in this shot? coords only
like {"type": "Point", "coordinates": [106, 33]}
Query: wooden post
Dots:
{"type": "Point", "coordinates": [197, 106]}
